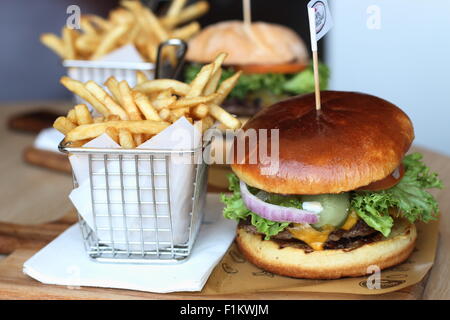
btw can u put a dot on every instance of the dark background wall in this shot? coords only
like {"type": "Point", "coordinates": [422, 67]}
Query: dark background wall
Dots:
{"type": "Point", "coordinates": [30, 71]}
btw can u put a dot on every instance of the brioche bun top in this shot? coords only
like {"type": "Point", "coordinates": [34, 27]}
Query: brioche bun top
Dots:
{"type": "Point", "coordinates": [354, 140]}
{"type": "Point", "coordinates": [262, 43]}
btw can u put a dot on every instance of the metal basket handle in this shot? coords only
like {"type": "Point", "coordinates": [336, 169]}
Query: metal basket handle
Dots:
{"type": "Point", "coordinates": [181, 52]}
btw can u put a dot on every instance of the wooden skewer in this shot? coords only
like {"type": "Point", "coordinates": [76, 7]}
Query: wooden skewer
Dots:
{"type": "Point", "coordinates": [247, 13]}
{"type": "Point", "coordinates": [312, 29]}
{"type": "Point", "coordinates": [316, 79]}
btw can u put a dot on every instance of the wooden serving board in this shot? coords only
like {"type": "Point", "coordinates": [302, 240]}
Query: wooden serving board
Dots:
{"type": "Point", "coordinates": [47, 159]}
{"type": "Point", "coordinates": [21, 242]}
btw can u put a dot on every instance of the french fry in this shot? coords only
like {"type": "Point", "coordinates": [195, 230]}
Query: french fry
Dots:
{"type": "Point", "coordinates": [68, 36]}
{"type": "Point", "coordinates": [54, 43]}
{"type": "Point", "coordinates": [147, 19]}
{"type": "Point", "coordinates": [131, 23]}
{"type": "Point", "coordinates": [216, 74]}
{"type": "Point", "coordinates": [101, 23]}
{"type": "Point", "coordinates": [64, 125]}
{"type": "Point", "coordinates": [139, 139]}
{"type": "Point", "coordinates": [78, 88]}
{"type": "Point", "coordinates": [71, 115]}
{"type": "Point", "coordinates": [152, 51]}
{"type": "Point", "coordinates": [164, 94]}
{"type": "Point", "coordinates": [226, 86]}
{"type": "Point", "coordinates": [191, 12]}
{"type": "Point", "coordinates": [164, 102]}
{"type": "Point", "coordinates": [109, 41]}
{"type": "Point", "coordinates": [128, 102]}
{"type": "Point", "coordinates": [223, 116]}
{"type": "Point", "coordinates": [177, 114]}
{"type": "Point", "coordinates": [207, 122]}
{"type": "Point", "coordinates": [133, 34]}
{"type": "Point", "coordinates": [82, 114]}
{"type": "Point", "coordinates": [126, 139]}
{"type": "Point", "coordinates": [137, 9]}
{"type": "Point", "coordinates": [86, 44]}
{"type": "Point", "coordinates": [218, 61]}
{"type": "Point", "coordinates": [193, 101]}
{"type": "Point", "coordinates": [93, 130]}
{"type": "Point", "coordinates": [200, 81]}
{"type": "Point", "coordinates": [154, 24]}
{"type": "Point", "coordinates": [113, 117]}
{"type": "Point", "coordinates": [98, 119]}
{"type": "Point", "coordinates": [120, 16]}
{"type": "Point", "coordinates": [151, 86]}
{"type": "Point", "coordinates": [145, 106]}
{"type": "Point", "coordinates": [164, 114]}
{"type": "Point", "coordinates": [113, 133]}
{"type": "Point", "coordinates": [113, 86]}
{"type": "Point", "coordinates": [200, 111]}
{"type": "Point", "coordinates": [78, 144]}
{"type": "Point", "coordinates": [106, 99]}
{"type": "Point", "coordinates": [140, 77]}
{"type": "Point", "coordinates": [211, 86]}
{"type": "Point", "coordinates": [187, 31]}
{"type": "Point", "coordinates": [175, 8]}
{"type": "Point", "coordinates": [87, 26]}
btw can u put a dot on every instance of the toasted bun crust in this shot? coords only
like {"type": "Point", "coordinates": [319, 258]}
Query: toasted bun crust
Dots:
{"type": "Point", "coordinates": [264, 43]}
{"type": "Point", "coordinates": [356, 139]}
{"type": "Point", "coordinates": [329, 264]}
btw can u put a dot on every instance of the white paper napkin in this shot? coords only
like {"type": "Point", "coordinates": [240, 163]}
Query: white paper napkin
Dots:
{"type": "Point", "coordinates": [127, 53]}
{"type": "Point", "coordinates": [48, 139]}
{"type": "Point", "coordinates": [65, 262]}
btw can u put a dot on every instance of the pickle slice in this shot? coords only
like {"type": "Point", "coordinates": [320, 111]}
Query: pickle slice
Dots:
{"type": "Point", "coordinates": [335, 208]}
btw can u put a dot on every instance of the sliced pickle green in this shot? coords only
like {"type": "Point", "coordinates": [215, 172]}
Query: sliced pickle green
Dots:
{"type": "Point", "coordinates": [335, 208]}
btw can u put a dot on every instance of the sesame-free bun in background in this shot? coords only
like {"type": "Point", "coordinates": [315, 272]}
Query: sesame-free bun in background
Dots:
{"type": "Point", "coordinates": [273, 59]}
{"type": "Point", "coordinates": [262, 44]}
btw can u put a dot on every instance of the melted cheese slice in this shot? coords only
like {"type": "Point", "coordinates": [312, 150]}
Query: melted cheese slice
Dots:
{"type": "Point", "coordinates": [315, 238]}
{"type": "Point", "coordinates": [352, 219]}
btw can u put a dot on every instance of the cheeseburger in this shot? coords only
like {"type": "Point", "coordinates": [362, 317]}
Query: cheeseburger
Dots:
{"type": "Point", "coordinates": [344, 195]}
{"type": "Point", "coordinates": [273, 59]}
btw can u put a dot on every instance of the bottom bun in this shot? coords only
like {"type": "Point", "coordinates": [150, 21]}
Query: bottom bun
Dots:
{"type": "Point", "coordinates": [329, 264]}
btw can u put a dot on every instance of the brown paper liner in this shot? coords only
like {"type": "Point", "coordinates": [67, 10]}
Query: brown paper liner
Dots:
{"type": "Point", "coordinates": [236, 275]}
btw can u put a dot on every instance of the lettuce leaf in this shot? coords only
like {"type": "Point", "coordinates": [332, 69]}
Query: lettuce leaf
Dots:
{"type": "Point", "coordinates": [409, 196]}
{"type": "Point", "coordinates": [303, 82]}
{"type": "Point", "coordinates": [277, 84]}
{"type": "Point", "coordinates": [235, 209]}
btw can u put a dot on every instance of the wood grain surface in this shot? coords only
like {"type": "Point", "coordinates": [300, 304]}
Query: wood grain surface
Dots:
{"type": "Point", "coordinates": [32, 195]}
{"type": "Point", "coordinates": [29, 194]}
{"type": "Point", "coordinates": [16, 285]}
{"type": "Point", "coordinates": [47, 159]}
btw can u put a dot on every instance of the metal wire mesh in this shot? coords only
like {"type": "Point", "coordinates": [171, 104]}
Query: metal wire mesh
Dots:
{"type": "Point", "coordinates": [133, 206]}
{"type": "Point", "coordinates": [100, 71]}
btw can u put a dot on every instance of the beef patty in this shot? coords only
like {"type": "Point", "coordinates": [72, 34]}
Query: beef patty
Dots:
{"type": "Point", "coordinates": [356, 237]}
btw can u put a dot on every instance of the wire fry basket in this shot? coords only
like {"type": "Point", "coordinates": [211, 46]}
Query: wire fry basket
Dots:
{"type": "Point", "coordinates": [100, 71]}
{"type": "Point", "coordinates": [133, 204]}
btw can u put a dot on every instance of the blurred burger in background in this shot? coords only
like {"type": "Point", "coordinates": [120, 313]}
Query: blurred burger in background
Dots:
{"type": "Point", "coordinates": [273, 58]}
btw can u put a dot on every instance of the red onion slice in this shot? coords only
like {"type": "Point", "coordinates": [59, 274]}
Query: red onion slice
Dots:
{"type": "Point", "coordinates": [273, 212]}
